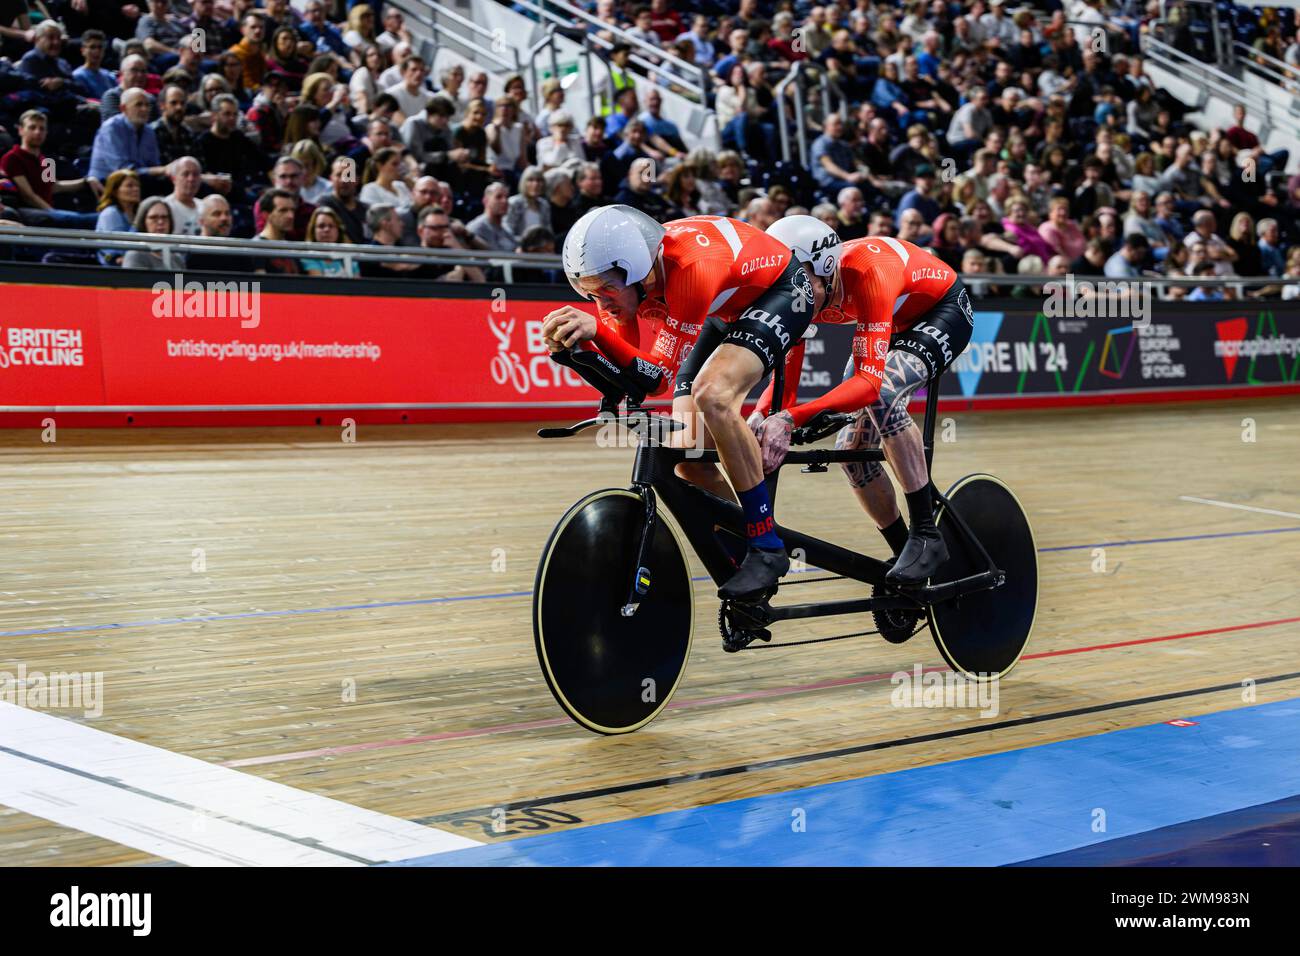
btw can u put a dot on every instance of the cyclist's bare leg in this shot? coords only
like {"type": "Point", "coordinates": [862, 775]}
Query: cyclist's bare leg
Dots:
{"type": "Point", "coordinates": [903, 448]}
{"type": "Point", "coordinates": [871, 486]}
{"type": "Point", "coordinates": [719, 391]}
{"type": "Point", "coordinates": [879, 501]}
{"type": "Point", "coordinates": [924, 550]}
{"type": "Point", "coordinates": [905, 452]}
{"type": "Point", "coordinates": [706, 474]}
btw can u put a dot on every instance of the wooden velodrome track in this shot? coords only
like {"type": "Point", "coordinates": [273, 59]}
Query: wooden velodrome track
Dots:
{"type": "Point", "coordinates": [434, 532]}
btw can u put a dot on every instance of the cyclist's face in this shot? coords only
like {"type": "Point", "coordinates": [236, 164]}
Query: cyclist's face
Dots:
{"type": "Point", "coordinates": [613, 298]}
{"type": "Point", "coordinates": [823, 295]}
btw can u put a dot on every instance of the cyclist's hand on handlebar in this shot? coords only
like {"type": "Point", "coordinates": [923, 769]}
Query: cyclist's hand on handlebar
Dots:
{"type": "Point", "coordinates": [755, 421]}
{"type": "Point", "coordinates": [774, 439]}
{"type": "Point", "coordinates": [566, 327]}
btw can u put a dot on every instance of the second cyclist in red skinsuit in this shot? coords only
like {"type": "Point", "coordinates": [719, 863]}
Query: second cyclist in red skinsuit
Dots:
{"type": "Point", "coordinates": [913, 318]}
{"type": "Point", "coordinates": [890, 285]}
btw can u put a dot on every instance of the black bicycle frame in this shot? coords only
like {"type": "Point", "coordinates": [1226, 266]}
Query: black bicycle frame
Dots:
{"type": "Point", "coordinates": [706, 518]}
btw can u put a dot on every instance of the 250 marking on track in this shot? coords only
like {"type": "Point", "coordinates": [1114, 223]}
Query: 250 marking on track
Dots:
{"type": "Point", "coordinates": [502, 823]}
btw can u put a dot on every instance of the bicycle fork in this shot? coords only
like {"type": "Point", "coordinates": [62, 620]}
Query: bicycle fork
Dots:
{"type": "Point", "coordinates": [640, 573]}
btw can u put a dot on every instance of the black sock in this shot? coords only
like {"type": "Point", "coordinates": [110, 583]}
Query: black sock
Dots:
{"type": "Point", "coordinates": [920, 508]}
{"type": "Point", "coordinates": [896, 535]}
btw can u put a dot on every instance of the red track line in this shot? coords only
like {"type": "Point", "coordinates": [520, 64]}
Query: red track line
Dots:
{"type": "Point", "coordinates": [721, 699]}
{"type": "Point", "coordinates": [551, 721]}
{"type": "Point", "coordinates": [1167, 637]}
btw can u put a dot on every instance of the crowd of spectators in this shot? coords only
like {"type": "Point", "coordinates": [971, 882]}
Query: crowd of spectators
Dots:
{"type": "Point", "coordinates": [1026, 140]}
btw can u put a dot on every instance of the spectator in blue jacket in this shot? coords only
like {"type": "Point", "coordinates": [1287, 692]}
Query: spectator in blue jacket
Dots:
{"type": "Point", "coordinates": [327, 37]}
{"type": "Point", "coordinates": [42, 62]}
{"type": "Point", "coordinates": [117, 209]}
{"type": "Point", "coordinates": [1272, 256]}
{"type": "Point", "coordinates": [127, 141]}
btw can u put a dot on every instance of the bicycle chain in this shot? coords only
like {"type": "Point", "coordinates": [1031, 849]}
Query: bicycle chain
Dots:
{"type": "Point", "coordinates": [821, 640]}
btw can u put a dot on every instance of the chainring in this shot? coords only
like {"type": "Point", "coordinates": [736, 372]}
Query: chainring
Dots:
{"type": "Point", "coordinates": [895, 624]}
{"type": "Point", "coordinates": [737, 632]}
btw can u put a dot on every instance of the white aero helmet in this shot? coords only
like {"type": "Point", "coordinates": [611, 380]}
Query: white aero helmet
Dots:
{"type": "Point", "coordinates": [812, 242]}
{"type": "Point", "coordinates": [612, 237]}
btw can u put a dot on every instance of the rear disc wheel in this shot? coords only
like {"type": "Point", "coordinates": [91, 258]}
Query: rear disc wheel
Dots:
{"type": "Point", "coordinates": [983, 634]}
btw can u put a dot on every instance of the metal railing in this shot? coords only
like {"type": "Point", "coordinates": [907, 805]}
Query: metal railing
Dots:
{"type": "Point", "coordinates": [1207, 26]}
{"type": "Point", "coordinates": [826, 89]}
{"type": "Point", "coordinates": [1209, 79]}
{"type": "Point", "coordinates": [644, 56]}
{"type": "Point", "coordinates": [170, 247]}
{"type": "Point", "coordinates": [1268, 67]}
{"type": "Point", "coordinates": [831, 86]}
{"type": "Point", "coordinates": [466, 38]}
{"type": "Point", "coordinates": [783, 118]}
{"type": "Point", "coordinates": [547, 43]}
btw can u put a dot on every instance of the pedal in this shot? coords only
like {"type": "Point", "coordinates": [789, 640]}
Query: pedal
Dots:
{"type": "Point", "coordinates": [756, 598]}
{"type": "Point", "coordinates": [910, 587]}
{"type": "Point", "coordinates": [753, 608]}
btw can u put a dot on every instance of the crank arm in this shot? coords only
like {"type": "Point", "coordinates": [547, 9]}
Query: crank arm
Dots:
{"type": "Point", "coordinates": [934, 594]}
{"type": "Point", "coordinates": [752, 616]}
{"type": "Point", "coordinates": [831, 608]}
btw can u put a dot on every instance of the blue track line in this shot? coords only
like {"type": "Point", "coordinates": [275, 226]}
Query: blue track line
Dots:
{"type": "Point", "coordinates": [1185, 537]}
{"type": "Point", "coordinates": [284, 613]}
{"type": "Point", "coordinates": [414, 602]}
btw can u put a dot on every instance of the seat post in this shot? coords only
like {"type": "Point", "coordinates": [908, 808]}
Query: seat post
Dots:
{"type": "Point", "coordinates": [778, 390]}
{"type": "Point", "coordinates": [931, 414]}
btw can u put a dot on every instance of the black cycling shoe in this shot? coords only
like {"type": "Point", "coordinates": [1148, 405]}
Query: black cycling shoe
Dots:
{"type": "Point", "coordinates": [923, 555]}
{"type": "Point", "coordinates": [757, 573]}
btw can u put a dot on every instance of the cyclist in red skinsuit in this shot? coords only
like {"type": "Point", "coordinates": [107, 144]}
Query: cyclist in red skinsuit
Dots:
{"type": "Point", "coordinates": [913, 319]}
{"type": "Point", "coordinates": [889, 286]}
{"type": "Point", "coordinates": [711, 267]}
{"type": "Point", "coordinates": [725, 303]}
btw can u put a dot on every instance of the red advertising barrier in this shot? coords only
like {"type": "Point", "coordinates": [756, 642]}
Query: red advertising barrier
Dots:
{"type": "Point", "coordinates": [232, 354]}
{"type": "Point", "coordinates": [156, 354]}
